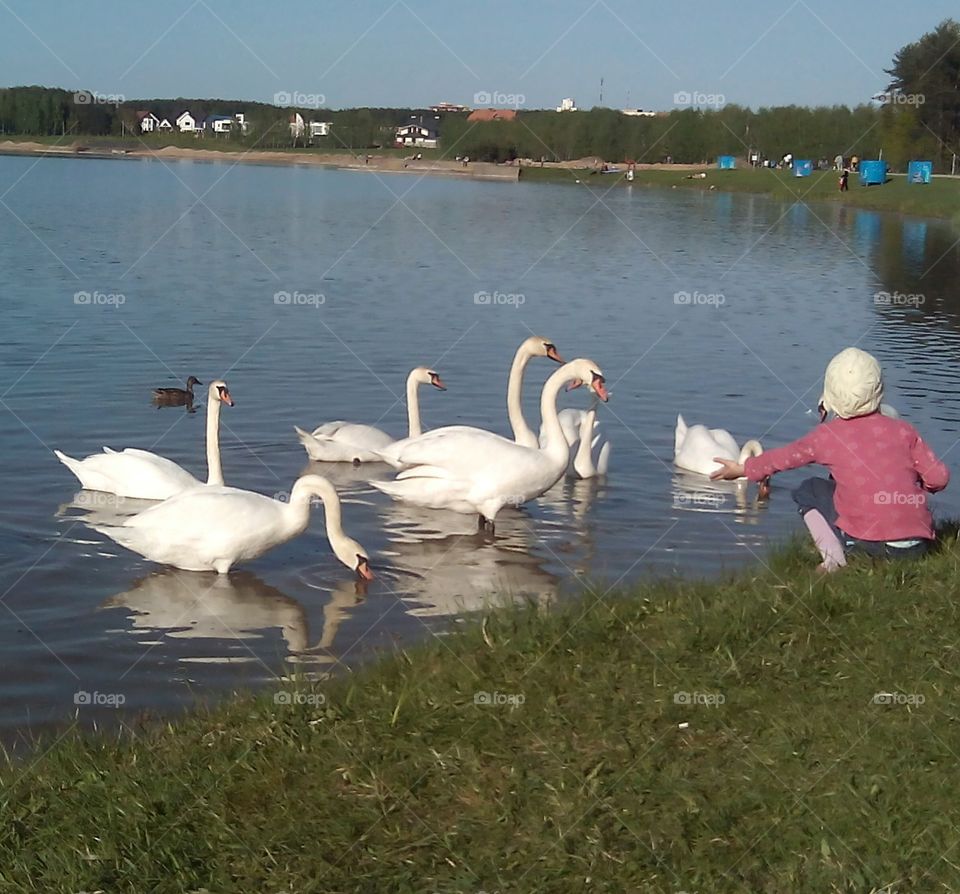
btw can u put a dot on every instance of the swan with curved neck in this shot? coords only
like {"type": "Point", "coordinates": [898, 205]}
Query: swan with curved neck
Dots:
{"type": "Point", "coordinates": [471, 470]}
{"type": "Point", "coordinates": [583, 464]}
{"type": "Point", "coordinates": [213, 528]}
{"type": "Point", "coordinates": [535, 346]}
{"type": "Point", "coordinates": [143, 475]}
{"type": "Point", "coordinates": [353, 442]}
{"type": "Point", "coordinates": [696, 446]}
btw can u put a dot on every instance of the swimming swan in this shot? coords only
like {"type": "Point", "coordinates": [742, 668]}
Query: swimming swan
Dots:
{"type": "Point", "coordinates": [143, 475]}
{"type": "Point", "coordinates": [353, 442]}
{"type": "Point", "coordinates": [470, 470]}
{"type": "Point", "coordinates": [696, 446]}
{"type": "Point", "coordinates": [213, 528]}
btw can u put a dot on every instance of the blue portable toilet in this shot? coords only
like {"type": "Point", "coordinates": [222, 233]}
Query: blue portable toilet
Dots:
{"type": "Point", "coordinates": [802, 167]}
{"type": "Point", "coordinates": [873, 173]}
{"type": "Point", "coordinates": [919, 172]}
{"type": "Point", "coordinates": [726, 162]}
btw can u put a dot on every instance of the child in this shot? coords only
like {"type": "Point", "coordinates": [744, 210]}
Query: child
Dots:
{"type": "Point", "coordinates": [881, 470]}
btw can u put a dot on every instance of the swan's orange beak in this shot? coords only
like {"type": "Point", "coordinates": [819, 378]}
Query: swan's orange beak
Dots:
{"type": "Point", "coordinates": [554, 354]}
{"type": "Point", "coordinates": [225, 397]}
{"type": "Point", "coordinates": [435, 381]}
{"type": "Point", "coordinates": [598, 386]}
{"type": "Point", "coordinates": [363, 569]}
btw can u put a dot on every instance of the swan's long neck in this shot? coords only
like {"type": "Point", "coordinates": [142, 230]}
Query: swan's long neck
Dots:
{"type": "Point", "coordinates": [214, 469]}
{"type": "Point", "coordinates": [556, 447]}
{"type": "Point", "coordinates": [413, 407]}
{"type": "Point", "coordinates": [299, 507]}
{"type": "Point", "coordinates": [751, 448]}
{"type": "Point", "coordinates": [521, 431]}
{"type": "Point", "coordinates": [583, 462]}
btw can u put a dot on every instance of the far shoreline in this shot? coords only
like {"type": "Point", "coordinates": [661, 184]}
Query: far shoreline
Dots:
{"type": "Point", "coordinates": [939, 200]}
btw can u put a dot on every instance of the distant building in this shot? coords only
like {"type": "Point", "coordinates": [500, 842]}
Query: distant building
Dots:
{"type": "Point", "coordinates": [147, 122]}
{"type": "Point", "coordinates": [638, 113]}
{"type": "Point", "coordinates": [567, 105]}
{"type": "Point", "coordinates": [220, 124]}
{"type": "Point", "coordinates": [297, 126]}
{"type": "Point", "coordinates": [165, 126]}
{"type": "Point", "coordinates": [186, 123]}
{"type": "Point", "coordinates": [492, 115]}
{"type": "Point", "coordinates": [449, 107]}
{"type": "Point", "coordinates": [241, 121]}
{"type": "Point", "coordinates": [320, 129]}
{"type": "Point", "coordinates": [416, 135]}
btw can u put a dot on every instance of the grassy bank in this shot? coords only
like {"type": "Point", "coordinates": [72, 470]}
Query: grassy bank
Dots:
{"type": "Point", "coordinates": [699, 737]}
{"type": "Point", "coordinates": [941, 198]}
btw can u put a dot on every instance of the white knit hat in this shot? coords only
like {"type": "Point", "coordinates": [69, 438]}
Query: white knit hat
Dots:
{"type": "Point", "coordinates": [852, 384]}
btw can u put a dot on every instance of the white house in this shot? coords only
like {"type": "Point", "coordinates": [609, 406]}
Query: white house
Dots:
{"type": "Point", "coordinates": [148, 122]}
{"type": "Point", "coordinates": [186, 123]}
{"type": "Point", "coordinates": [416, 135]}
{"type": "Point", "coordinates": [297, 127]}
{"type": "Point", "coordinates": [165, 126]}
{"type": "Point", "coordinates": [218, 123]}
{"type": "Point", "coordinates": [320, 129]}
{"type": "Point", "coordinates": [567, 105]}
{"type": "Point", "coordinates": [242, 123]}
{"type": "Point", "coordinates": [638, 113]}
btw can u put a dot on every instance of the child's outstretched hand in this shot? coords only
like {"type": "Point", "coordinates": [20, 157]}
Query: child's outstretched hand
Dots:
{"type": "Point", "coordinates": [731, 470]}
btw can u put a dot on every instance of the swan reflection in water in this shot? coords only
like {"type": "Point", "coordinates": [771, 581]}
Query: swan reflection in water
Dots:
{"type": "Point", "coordinates": [238, 609]}
{"type": "Point", "coordinates": [94, 507]}
{"type": "Point", "coordinates": [458, 569]}
{"type": "Point", "coordinates": [739, 500]}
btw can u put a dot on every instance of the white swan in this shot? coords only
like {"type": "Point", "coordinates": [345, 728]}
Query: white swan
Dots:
{"type": "Point", "coordinates": [578, 429]}
{"type": "Point", "coordinates": [341, 441]}
{"type": "Point", "coordinates": [143, 475]}
{"type": "Point", "coordinates": [583, 464]}
{"type": "Point", "coordinates": [535, 346]}
{"type": "Point", "coordinates": [213, 528]}
{"type": "Point", "coordinates": [475, 471]}
{"type": "Point", "coordinates": [696, 446]}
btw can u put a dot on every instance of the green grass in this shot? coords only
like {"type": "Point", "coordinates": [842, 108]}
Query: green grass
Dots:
{"type": "Point", "coordinates": [399, 782]}
{"type": "Point", "coordinates": [941, 198]}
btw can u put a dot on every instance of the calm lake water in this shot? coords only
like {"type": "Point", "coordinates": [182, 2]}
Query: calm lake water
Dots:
{"type": "Point", "coordinates": [198, 251]}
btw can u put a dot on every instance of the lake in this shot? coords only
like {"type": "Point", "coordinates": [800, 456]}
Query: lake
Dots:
{"type": "Point", "coordinates": [723, 307]}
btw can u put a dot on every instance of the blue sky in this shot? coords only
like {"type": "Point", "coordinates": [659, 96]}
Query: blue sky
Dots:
{"type": "Point", "coordinates": [417, 52]}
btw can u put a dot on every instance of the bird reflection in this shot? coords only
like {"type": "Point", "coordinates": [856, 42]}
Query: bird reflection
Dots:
{"type": "Point", "coordinates": [696, 493]}
{"type": "Point", "coordinates": [94, 507]}
{"type": "Point", "coordinates": [459, 569]}
{"type": "Point", "coordinates": [183, 399]}
{"type": "Point", "coordinates": [238, 607]}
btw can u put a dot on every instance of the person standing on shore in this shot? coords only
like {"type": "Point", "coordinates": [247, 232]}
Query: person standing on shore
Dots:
{"type": "Point", "coordinates": [844, 180]}
{"type": "Point", "coordinates": [875, 501]}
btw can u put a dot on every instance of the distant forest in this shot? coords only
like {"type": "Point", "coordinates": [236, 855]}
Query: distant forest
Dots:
{"type": "Point", "coordinates": [918, 118]}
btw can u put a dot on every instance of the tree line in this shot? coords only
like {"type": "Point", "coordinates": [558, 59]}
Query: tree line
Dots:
{"type": "Point", "coordinates": [918, 117]}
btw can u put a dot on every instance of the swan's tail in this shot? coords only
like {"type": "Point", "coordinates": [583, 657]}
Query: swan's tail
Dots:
{"type": "Point", "coordinates": [74, 465]}
{"type": "Point", "coordinates": [679, 434]}
{"type": "Point", "coordinates": [310, 443]}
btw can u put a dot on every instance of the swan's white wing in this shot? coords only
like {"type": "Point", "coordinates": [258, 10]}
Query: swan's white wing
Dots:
{"type": "Point", "coordinates": [132, 473]}
{"type": "Point", "coordinates": [325, 448]}
{"type": "Point", "coordinates": [698, 449]}
{"type": "Point", "coordinates": [679, 434]}
{"type": "Point", "coordinates": [603, 460]}
{"type": "Point", "coordinates": [570, 421]}
{"type": "Point", "coordinates": [725, 441]}
{"type": "Point", "coordinates": [454, 446]}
